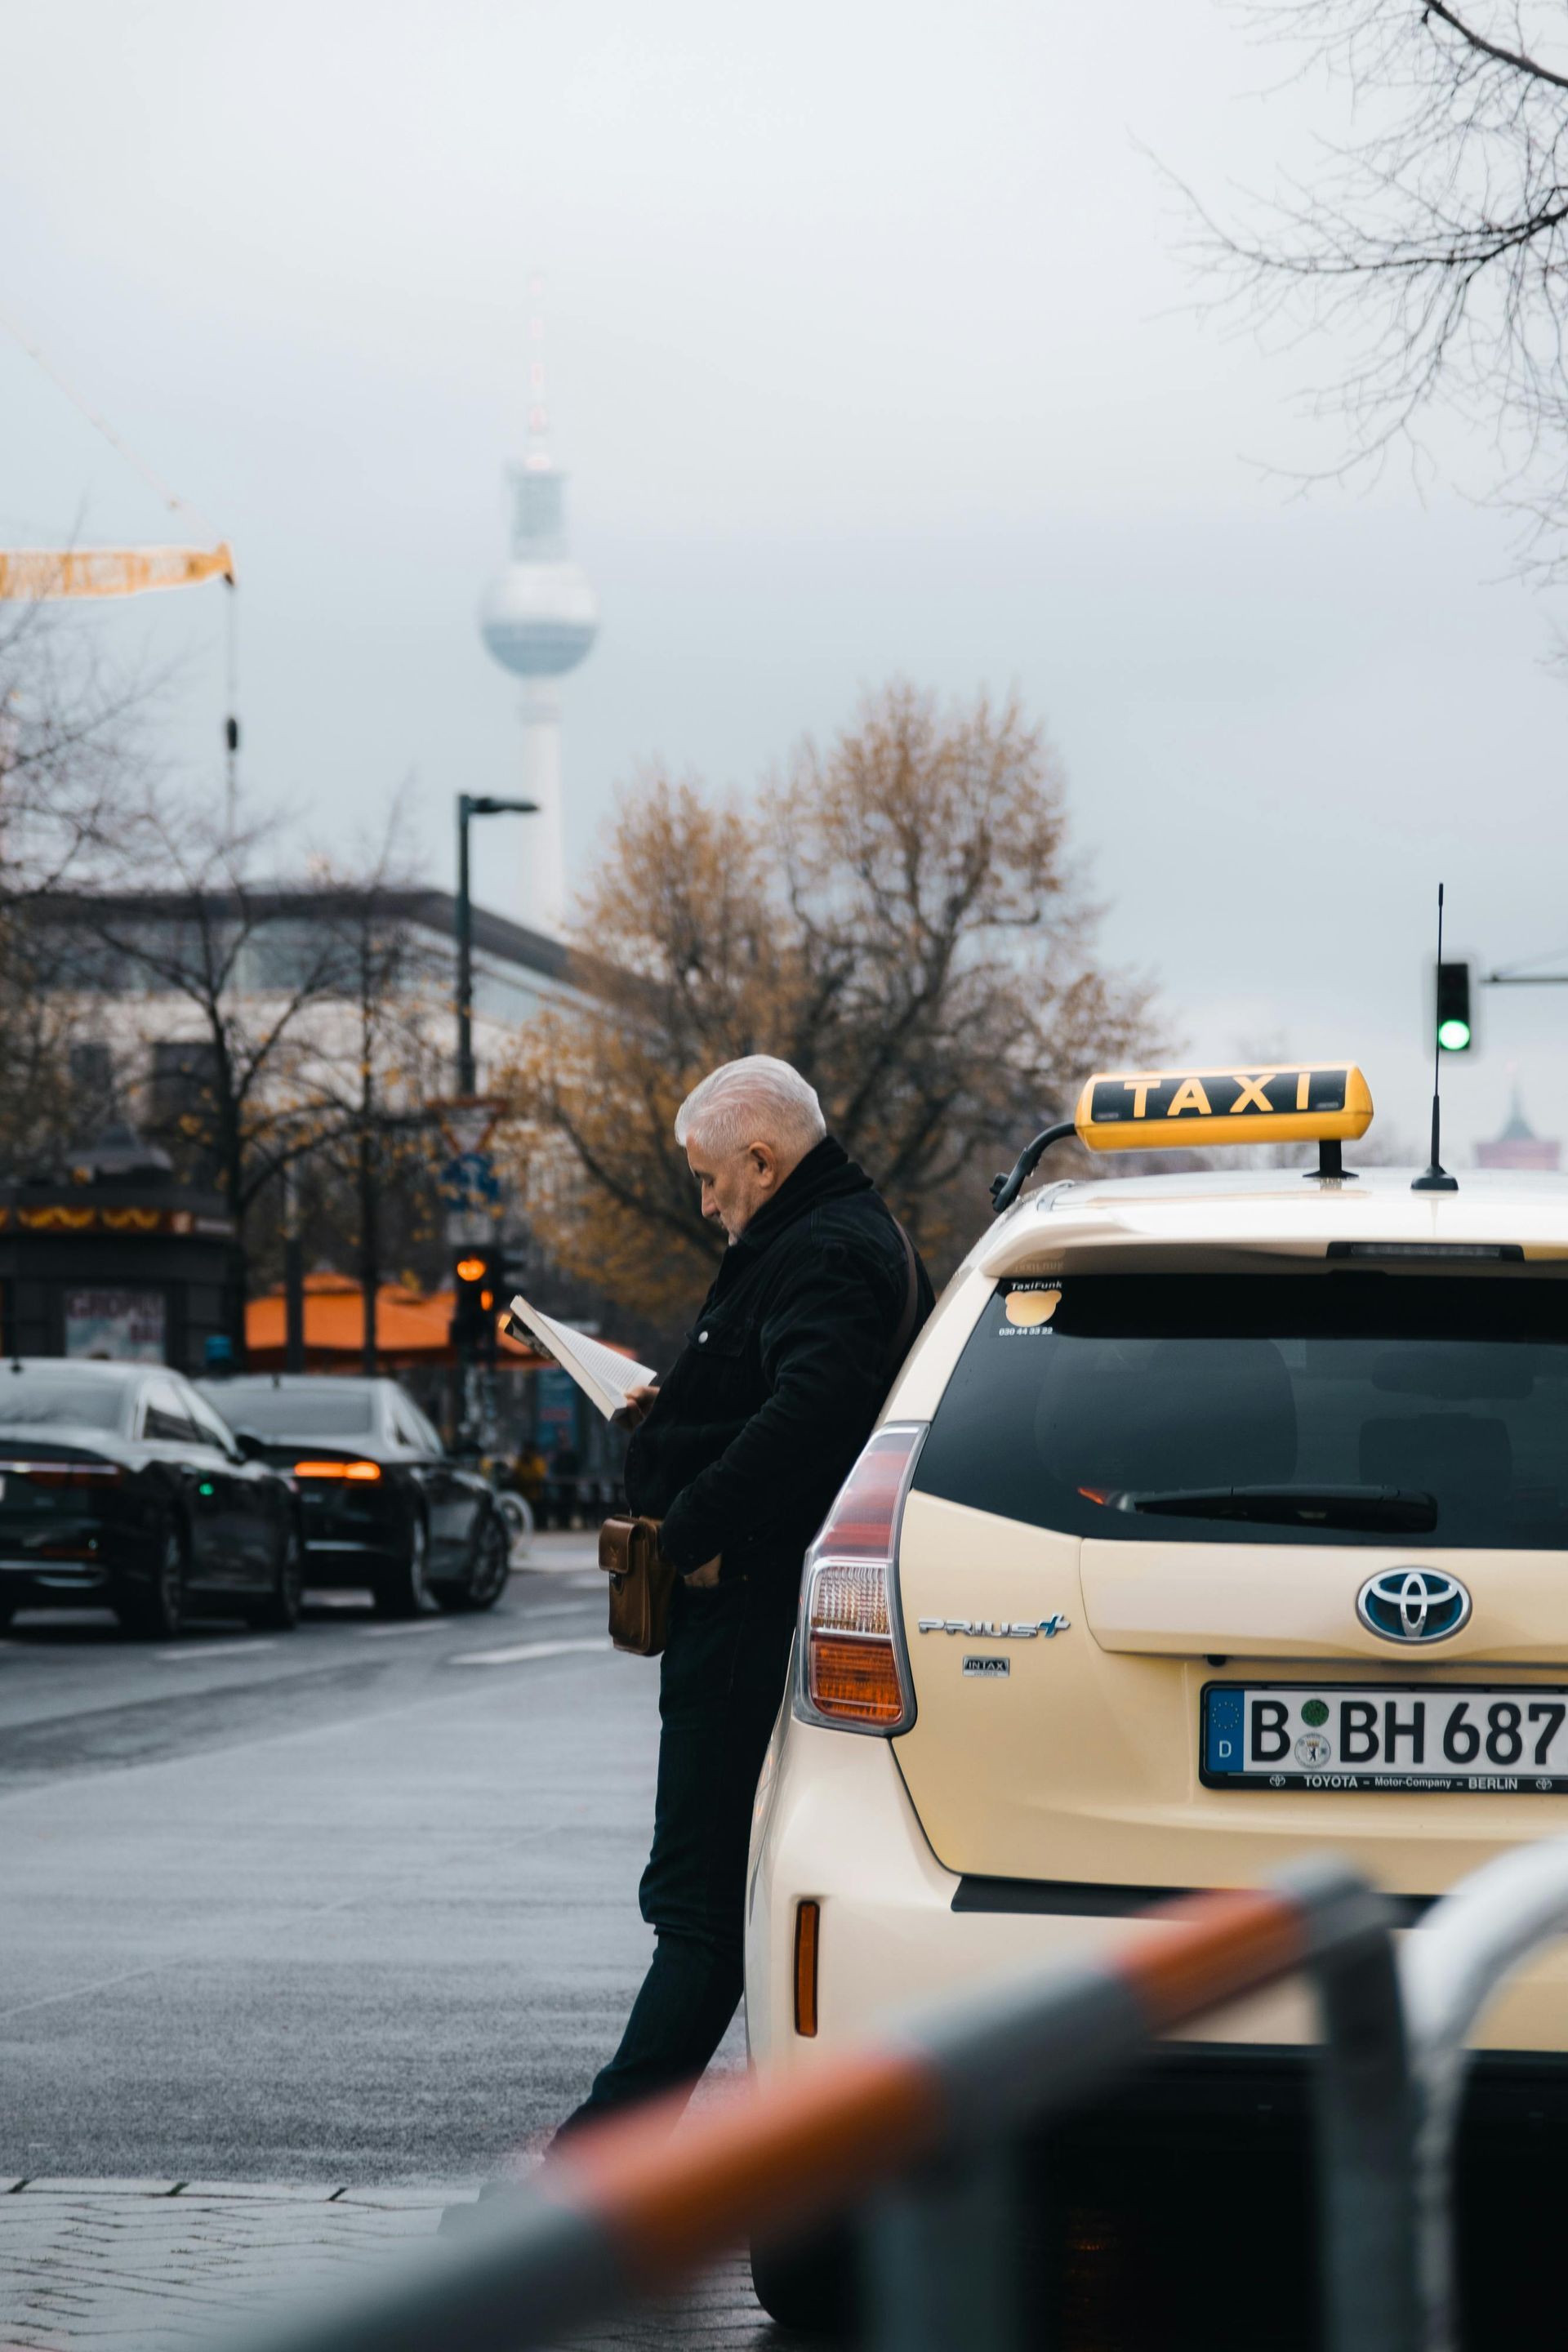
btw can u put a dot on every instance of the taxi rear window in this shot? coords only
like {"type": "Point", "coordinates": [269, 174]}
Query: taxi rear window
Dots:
{"type": "Point", "coordinates": [1343, 1407]}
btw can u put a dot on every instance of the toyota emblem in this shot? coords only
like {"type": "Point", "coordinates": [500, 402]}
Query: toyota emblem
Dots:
{"type": "Point", "coordinates": [1412, 1605]}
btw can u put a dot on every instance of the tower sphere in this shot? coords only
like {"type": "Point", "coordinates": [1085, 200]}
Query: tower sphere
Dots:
{"type": "Point", "coordinates": [538, 616]}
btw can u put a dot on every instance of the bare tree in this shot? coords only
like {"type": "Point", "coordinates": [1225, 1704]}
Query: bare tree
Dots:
{"type": "Point", "coordinates": [381, 1065]}
{"type": "Point", "coordinates": [1433, 235]}
{"type": "Point", "coordinates": [69, 772]}
{"type": "Point", "coordinates": [246, 961]}
{"type": "Point", "coordinates": [898, 916]}
{"type": "Point", "coordinates": [289, 1024]}
{"type": "Point", "coordinates": [68, 754]}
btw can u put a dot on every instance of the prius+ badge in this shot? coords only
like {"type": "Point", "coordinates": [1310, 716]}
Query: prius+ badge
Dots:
{"type": "Point", "coordinates": [997, 1629]}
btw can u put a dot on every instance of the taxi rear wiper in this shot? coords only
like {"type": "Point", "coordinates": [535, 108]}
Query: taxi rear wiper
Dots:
{"type": "Point", "coordinates": [1401, 1510]}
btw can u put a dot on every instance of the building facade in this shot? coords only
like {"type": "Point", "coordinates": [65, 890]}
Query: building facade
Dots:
{"type": "Point", "coordinates": [111, 1256]}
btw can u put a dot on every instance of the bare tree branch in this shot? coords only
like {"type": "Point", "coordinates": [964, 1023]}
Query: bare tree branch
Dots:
{"type": "Point", "coordinates": [1435, 235]}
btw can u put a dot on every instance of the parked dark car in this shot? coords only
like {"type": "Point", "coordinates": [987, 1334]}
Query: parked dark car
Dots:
{"type": "Point", "coordinates": [384, 1504]}
{"type": "Point", "coordinates": [121, 1487]}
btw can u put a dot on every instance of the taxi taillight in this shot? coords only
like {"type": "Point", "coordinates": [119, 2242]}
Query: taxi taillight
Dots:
{"type": "Point", "coordinates": [854, 1674]}
{"type": "Point", "coordinates": [360, 1470]}
{"type": "Point", "coordinates": [64, 1474]}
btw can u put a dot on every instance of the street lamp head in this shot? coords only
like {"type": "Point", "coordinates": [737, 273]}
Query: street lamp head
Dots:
{"type": "Point", "coordinates": [488, 805]}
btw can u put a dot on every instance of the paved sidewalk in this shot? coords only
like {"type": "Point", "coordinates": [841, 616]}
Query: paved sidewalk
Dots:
{"type": "Point", "coordinates": [130, 2265]}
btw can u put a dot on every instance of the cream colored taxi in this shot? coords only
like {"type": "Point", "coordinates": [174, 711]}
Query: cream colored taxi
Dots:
{"type": "Point", "coordinates": [1215, 1521]}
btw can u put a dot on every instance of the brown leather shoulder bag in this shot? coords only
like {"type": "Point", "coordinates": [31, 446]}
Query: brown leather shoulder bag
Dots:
{"type": "Point", "coordinates": [642, 1582]}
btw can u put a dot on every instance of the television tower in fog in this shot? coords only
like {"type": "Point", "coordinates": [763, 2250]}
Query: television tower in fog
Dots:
{"type": "Point", "coordinates": [539, 618]}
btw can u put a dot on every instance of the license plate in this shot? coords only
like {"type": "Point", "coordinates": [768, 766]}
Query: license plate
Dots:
{"type": "Point", "coordinates": [1456, 1736]}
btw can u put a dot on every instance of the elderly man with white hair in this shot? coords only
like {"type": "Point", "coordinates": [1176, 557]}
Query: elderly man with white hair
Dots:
{"type": "Point", "coordinates": [739, 1452]}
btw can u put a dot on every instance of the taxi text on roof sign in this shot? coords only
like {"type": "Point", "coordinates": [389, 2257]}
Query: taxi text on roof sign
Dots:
{"type": "Point", "coordinates": [1145, 1110]}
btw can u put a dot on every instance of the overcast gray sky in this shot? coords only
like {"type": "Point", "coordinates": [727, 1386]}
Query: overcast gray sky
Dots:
{"type": "Point", "coordinates": [871, 351]}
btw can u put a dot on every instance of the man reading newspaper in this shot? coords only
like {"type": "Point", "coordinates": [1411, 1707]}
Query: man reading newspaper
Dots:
{"type": "Point", "coordinates": [739, 1452]}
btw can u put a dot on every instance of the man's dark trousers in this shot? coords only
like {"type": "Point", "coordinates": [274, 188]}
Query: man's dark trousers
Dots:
{"type": "Point", "coordinates": [722, 1676]}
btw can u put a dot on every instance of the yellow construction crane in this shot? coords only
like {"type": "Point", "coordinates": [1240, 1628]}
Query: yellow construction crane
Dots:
{"type": "Point", "coordinates": [40, 575]}
{"type": "Point", "coordinates": [35, 575]}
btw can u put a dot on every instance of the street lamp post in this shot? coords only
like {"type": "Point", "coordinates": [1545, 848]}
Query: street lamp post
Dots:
{"type": "Point", "coordinates": [471, 805]}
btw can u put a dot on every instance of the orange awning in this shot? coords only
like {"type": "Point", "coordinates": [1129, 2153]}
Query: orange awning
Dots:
{"type": "Point", "coordinates": [410, 1329]}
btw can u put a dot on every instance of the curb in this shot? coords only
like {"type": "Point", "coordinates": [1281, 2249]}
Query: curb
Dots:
{"type": "Point", "coordinates": [383, 2199]}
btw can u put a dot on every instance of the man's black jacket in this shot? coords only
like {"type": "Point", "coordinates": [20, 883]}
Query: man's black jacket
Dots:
{"type": "Point", "coordinates": [781, 1378]}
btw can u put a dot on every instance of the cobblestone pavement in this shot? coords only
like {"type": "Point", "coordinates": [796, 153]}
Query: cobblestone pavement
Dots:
{"type": "Point", "coordinates": [135, 2265]}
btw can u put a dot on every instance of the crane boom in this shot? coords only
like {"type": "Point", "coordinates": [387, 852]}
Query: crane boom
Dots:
{"type": "Point", "coordinates": [39, 574]}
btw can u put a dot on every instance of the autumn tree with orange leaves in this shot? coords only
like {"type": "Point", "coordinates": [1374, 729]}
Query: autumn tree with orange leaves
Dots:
{"type": "Point", "coordinates": [897, 914]}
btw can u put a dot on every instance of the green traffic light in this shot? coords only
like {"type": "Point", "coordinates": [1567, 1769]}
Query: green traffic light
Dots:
{"type": "Point", "coordinates": [1453, 1035]}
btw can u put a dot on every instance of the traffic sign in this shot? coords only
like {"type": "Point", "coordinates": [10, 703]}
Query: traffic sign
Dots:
{"type": "Point", "coordinates": [469, 1179]}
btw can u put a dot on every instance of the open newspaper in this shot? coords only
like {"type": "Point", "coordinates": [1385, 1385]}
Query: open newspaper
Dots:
{"type": "Point", "coordinates": [602, 1374]}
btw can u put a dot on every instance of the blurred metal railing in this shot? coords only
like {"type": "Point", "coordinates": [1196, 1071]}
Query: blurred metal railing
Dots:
{"type": "Point", "coordinates": [1469, 1944]}
{"type": "Point", "coordinates": [921, 2136]}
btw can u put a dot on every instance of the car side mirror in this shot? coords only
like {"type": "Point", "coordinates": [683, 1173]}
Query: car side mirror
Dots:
{"type": "Point", "coordinates": [251, 1444]}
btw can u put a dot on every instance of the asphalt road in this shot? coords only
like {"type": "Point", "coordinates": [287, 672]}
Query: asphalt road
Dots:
{"type": "Point", "coordinates": [353, 1904]}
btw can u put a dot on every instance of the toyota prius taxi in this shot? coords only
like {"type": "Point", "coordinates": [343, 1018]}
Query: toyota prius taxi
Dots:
{"type": "Point", "coordinates": [1215, 1522]}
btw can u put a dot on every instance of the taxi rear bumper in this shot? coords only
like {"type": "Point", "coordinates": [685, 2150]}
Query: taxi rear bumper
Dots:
{"type": "Point", "coordinates": [834, 1825]}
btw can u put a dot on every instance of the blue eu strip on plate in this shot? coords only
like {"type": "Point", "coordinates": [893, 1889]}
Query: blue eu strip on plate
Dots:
{"type": "Point", "coordinates": [1223, 1732]}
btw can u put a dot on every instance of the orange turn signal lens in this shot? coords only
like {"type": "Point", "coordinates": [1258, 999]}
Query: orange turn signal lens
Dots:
{"type": "Point", "coordinates": [807, 1921]}
{"type": "Point", "coordinates": [857, 1681]}
{"type": "Point", "coordinates": [852, 1670]}
{"type": "Point", "coordinates": [362, 1470]}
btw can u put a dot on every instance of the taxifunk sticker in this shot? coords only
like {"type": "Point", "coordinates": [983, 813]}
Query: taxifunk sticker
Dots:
{"type": "Point", "coordinates": [1029, 1309]}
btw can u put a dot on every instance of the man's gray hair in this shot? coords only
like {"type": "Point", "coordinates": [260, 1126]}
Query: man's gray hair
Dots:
{"type": "Point", "coordinates": [754, 1100]}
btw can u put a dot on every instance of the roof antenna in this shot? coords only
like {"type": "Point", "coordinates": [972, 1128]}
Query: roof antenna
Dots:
{"type": "Point", "coordinates": [1432, 1179]}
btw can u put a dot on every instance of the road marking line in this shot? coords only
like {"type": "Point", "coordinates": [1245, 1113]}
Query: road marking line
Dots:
{"type": "Point", "coordinates": [77, 1992]}
{"type": "Point", "coordinates": [522, 1650]}
{"type": "Point", "coordinates": [559, 1609]}
{"type": "Point", "coordinates": [189, 1650]}
{"type": "Point", "coordinates": [415, 1625]}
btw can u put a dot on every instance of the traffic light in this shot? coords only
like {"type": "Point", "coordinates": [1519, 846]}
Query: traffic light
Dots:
{"type": "Point", "coordinates": [475, 1281]}
{"type": "Point", "coordinates": [1455, 1030]}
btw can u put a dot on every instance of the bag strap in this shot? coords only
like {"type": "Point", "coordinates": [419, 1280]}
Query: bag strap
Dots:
{"type": "Point", "coordinates": [906, 1330]}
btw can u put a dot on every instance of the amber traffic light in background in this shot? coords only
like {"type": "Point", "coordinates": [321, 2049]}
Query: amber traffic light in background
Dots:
{"type": "Point", "coordinates": [476, 1280]}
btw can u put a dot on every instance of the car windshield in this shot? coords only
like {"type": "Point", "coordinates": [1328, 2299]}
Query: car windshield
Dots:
{"type": "Point", "coordinates": [1335, 1408]}
{"type": "Point", "coordinates": [29, 1398]}
{"type": "Point", "coordinates": [330, 1410]}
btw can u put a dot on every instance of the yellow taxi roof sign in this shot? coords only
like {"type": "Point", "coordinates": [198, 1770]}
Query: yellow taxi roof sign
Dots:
{"type": "Point", "coordinates": [1150, 1111]}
